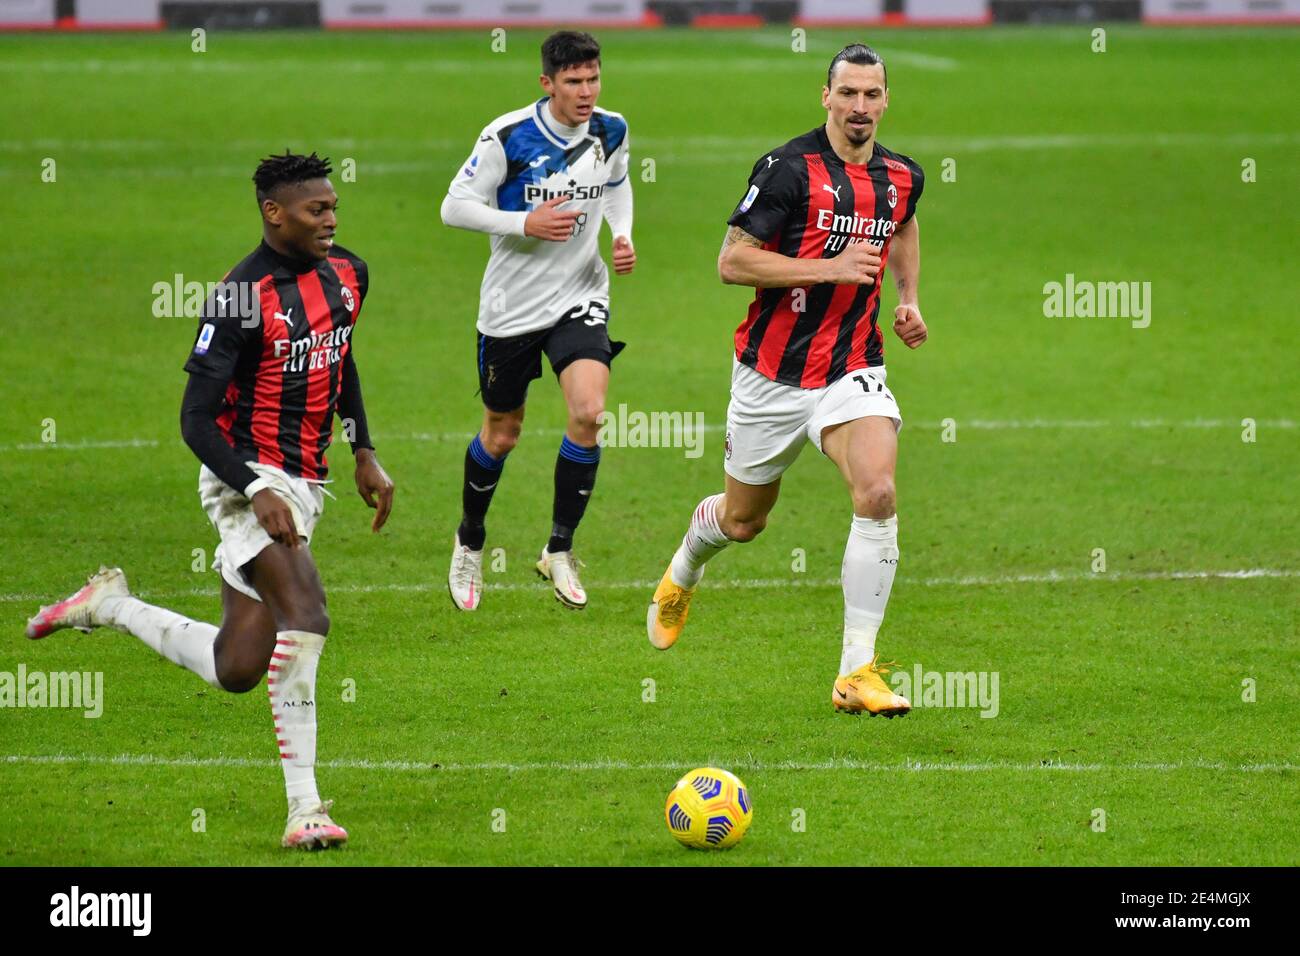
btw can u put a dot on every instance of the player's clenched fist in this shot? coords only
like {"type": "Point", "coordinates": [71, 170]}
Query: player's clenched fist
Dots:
{"type": "Point", "coordinates": [909, 326]}
{"type": "Point", "coordinates": [624, 255]}
{"type": "Point", "coordinates": [273, 514]}
{"type": "Point", "coordinates": [857, 264]}
{"type": "Point", "coordinates": [549, 223]}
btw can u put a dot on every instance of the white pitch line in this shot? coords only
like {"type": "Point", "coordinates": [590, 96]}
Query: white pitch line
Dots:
{"type": "Point", "coordinates": [681, 152]}
{"type": "Point", "coordinates": [978, 424]}
{"type": "Point", "coordinates": [892, 55]}
{"type": "Point", "coordinates": [206, 66]}
{"type": "Point", "coordinates": [697, 150]}
{"type": "Point", "coordinates": [744, 584]}
{"type": "Point", "coordinates": [81, 445]}
{"type": "Point", "coordinates": [757, 766]}
{"type": "Point", "coordinates": [700, 154]}
{"type": "Point", "coordinates": [750, 146]}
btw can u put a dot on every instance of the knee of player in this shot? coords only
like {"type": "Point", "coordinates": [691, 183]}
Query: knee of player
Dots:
{"type": "Point", "coordinates": [874, 498]}
{"type": "Point", "coordinates": [747, 530]}
{"type": "Point", "coordinates": [585, 418]}
{"type": "Point", "coordinates": [239, 677]}
{"type": "Point", "coordinates": [500, 442]}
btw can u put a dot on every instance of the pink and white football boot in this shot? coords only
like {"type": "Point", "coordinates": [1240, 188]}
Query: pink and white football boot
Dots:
{"type": "Point", "coordinates": [80, 610]}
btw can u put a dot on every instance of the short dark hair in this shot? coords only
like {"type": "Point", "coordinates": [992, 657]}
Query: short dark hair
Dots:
{"type": "Point", "coordinates": [568, 48]}
{"type": "Point", "coordinates": [276, 171]}
{"type": "Point", "coordinates": [858, 53]}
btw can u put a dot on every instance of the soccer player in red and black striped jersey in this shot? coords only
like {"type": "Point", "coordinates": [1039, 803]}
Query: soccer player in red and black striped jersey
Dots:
{"type": "Point", "coordinates": [821, 217]}
{"type": "Point", "coordinates": [270, 365]}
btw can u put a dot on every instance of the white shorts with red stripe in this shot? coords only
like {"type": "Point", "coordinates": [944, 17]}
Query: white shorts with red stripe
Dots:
{"type": "Point", "coordinates": [242, 537]}
{"type": "Point", "coordinates": [768, 423]}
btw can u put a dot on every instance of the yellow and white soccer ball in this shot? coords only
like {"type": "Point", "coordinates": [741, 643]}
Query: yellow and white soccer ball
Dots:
{"type": "Point", "coordinates": [708, 809]}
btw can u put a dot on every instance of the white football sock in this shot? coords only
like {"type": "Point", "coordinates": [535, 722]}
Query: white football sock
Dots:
{"type": "Point", "coordinates": [704, 539]}
{"type": "Point", "coordinates": [291, 685]}
{"type": "Point", "coordinates": [174, 636]}
{"type": "Point", "coordinates": [870, 560]}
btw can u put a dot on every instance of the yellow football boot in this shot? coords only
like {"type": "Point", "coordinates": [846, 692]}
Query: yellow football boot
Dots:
{"type": "Point", "coordinates": [668, 610]}
{"type": "Point", "coordinates": [865, 691]}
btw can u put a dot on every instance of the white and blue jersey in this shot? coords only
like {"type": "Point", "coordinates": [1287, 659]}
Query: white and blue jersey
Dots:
{"type": "Point", "coordinates": [521, 160]}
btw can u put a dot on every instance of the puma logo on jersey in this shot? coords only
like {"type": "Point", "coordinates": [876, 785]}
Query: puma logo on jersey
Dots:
{"type": "Point", "coordinates": [771, 160]}
{"type": "Point", "coordinates": [285, 317]}
{"type": "Point", "coordinates": [834, 192]}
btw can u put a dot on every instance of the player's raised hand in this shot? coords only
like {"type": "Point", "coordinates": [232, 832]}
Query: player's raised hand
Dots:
{"type": "Point", "coordinates": [624, 255]}
{"type": "Point", "coordinates": [374, 486]}
{"type": "Point", "coordinates": [909, 326]}
{"type": "Point", "coordinates": [549, 223]}
{"type": "Point", "coordinates": [273, 514]}
{"type": "Point", "coordinates": [857, 264]}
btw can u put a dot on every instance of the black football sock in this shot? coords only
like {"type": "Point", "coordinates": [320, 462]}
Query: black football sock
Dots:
{"type": "Point", "coordinates": [575, 477]}
{"type": "Point", "coordinates": [482, 472]}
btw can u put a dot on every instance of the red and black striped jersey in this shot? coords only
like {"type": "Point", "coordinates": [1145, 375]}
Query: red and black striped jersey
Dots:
{"type": "Point", "coordinates": [281, 353]}
{"type": "Point", "coordinates": [806, 202]}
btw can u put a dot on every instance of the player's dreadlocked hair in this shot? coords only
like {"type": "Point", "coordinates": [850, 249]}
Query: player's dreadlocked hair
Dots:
{"type": "Point", "coordinates": [568, 48]}
{"type": "Point", "coordinates": [277, 171]}
{"type": "Point", "coordinates": [858, 53]}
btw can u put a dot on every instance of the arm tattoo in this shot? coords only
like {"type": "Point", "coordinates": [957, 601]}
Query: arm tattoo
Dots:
{"type": "Point", "coordinates": [736, 235]}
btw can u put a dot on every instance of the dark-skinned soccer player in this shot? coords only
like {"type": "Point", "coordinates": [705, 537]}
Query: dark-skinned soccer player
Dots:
{"type": "Point", "coordinates": [271, 363]}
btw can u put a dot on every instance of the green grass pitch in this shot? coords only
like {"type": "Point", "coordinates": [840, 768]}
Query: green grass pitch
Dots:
{"type": "Point", "coordinates": [1120, 691]}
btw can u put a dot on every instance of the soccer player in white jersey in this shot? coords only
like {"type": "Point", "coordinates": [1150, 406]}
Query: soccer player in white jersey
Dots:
{"type": "Point", "coordinates": [540, 181]}
{"type": "Point", "coordinates": [821, 217]}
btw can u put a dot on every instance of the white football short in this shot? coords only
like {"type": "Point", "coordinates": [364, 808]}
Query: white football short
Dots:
{"type": "Point", "coordinates": [242, 537]}
{"type": "Point", "coordinates": [768, 423]}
